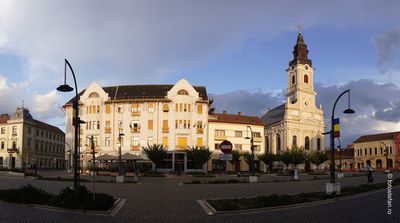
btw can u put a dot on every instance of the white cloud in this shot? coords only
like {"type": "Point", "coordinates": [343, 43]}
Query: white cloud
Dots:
{"type": "Point", "coordinates": [146, 40]}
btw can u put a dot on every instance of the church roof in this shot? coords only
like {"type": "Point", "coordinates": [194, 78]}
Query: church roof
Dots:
{"type": "Point", "coordinates": [274, 115]}
{"type": "Point", "coordinates": [143, 91]}
{"type": "Point", "coordinates": [300, 52]}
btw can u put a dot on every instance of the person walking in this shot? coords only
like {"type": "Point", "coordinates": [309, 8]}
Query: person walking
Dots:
{"type": "Point", "coordinates": [369, 175]}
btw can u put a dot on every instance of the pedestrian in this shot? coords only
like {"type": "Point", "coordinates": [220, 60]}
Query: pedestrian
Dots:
{"type": "Point", "coordinates": [370, 179]}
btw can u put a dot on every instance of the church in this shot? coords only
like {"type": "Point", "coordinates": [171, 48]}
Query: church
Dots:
{"type": "Point", "coordinates": [299, 121]}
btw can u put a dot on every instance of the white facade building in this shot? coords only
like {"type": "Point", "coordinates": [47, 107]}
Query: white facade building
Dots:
{"type": "Point", "coordinates": [172, 115]}
{"type": "Point", "coordinates": [26, 141]}
{"type": "Point", "coordinates": [299, 121]}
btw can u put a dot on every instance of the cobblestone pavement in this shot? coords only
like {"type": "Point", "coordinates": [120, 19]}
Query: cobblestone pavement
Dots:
{"type": "Point", "coordinates": [164, 200]}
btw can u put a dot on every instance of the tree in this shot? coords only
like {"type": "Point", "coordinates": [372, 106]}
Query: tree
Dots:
{"type": "Point", "coordinates": [286, 158]}
{"type": "Point", "coordinates": [268, 159]}
{"type": "Point", "coordinates": [317, 158]}
{"type": "Point", "coordinates": [156, 153]}
{"type": "Point", "coordinates": [199, 154]}
{"type": "Point", "coordinates": [211, 108]}
{"type": "Point", "coordinates": [298, 155]}
{"type": "Point", "coordinates": [235, 158]}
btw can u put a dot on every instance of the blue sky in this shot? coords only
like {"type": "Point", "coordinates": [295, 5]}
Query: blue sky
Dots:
{"type": "Point", "coordinates": [239, 50]}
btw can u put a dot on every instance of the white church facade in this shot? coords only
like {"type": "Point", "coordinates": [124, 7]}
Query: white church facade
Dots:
{"type": "Point", "coordinates": [299, 121]}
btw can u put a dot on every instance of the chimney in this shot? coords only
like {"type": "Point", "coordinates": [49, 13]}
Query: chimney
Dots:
{"type": "Point", "coordinates": [239, 113]}
{"type": "Point", "coordinates": [224, 112]}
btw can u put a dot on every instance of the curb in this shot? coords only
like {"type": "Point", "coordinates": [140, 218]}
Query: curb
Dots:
{"type": "Point", "coordinates": [209, 210]}
{"type": "Point", "coordinates": [111, 212]}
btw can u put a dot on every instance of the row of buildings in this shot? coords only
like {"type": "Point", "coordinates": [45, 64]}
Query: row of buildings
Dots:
{"type": "Point", "coordinates": [177, 116]}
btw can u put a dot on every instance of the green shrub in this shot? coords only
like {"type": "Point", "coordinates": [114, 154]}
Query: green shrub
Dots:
{"type": "Point", "coordinates": [26, 194]}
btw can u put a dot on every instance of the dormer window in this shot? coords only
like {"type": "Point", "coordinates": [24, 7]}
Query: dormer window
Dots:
{"type": "Point", "coordinates": [93, 95]}
{"type": "Point", "coordinates": [183, 92]}
{"type": "Point", "coordinates": [306, 79]}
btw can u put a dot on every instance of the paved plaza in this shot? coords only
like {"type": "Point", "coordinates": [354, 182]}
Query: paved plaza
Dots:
{"type": "Point", "coordinates": [167, 200]}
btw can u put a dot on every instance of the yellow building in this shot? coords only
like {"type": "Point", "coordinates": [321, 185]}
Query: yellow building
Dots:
{"type": "Point", "coordinates": [234, 128]}
{"type": "Point", "coordinates": [174, 115]}
{"type": "Point", "coordinates": [27, 141]}
{"type": "Point", "coordinates": [378, 151]}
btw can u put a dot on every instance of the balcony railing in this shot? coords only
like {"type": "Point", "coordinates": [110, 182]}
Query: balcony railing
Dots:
{"type": "Point", "coordinates": [218, 137]}
{"type": "Point", "coordinates": [135, 148]}
{"type": "Point", "coordinates": [135, 113]}
{"type": "Point", "coordinates": [180, 147]}
{"type": "Point", "coordinates": [165, 130]}
{"type": "Point", "coordinates": [199, 131]}
{"type": "Point", "coordinates": [107, 130]}
{"type": "Point", "coordinates": [135, 130]}
{"type": "Point", "coordinates": [257, 139]}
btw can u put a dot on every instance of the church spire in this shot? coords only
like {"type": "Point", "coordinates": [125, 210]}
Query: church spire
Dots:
{"type": "Point", "coordinates": [300, 52]}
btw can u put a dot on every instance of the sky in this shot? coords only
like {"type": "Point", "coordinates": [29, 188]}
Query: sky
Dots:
{"type": "Point", "coordinates": [239, 50]}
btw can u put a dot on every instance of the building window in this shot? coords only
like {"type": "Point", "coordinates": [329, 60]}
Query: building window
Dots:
{"type": "Point", "coordinates": [365, 151]}
{"type": "Point", "coordinates": [238, 146]}
{"type": "Point", "coordinates": [2, 145]}
{"type": "Point", "coordinates": [293, 79]}
{"type": "Point", "coordinates": [257, 147]}
{"type": "Point", "coordinates": [370, 151]}
{"type": "Point", "coordinates": [107, 141]}
{"type": "Point", "coordinates": [318, 144]}
{"type": "Point", "coordinates": [151, 108]}
{"type": "Point", "coordinates": [165, 107]}
{"type": "Point", "coordinates": [135, 141]}
{"type": "Point", "coordinates": [199, 141]}
{"type": "Point", "coordinates": [150, 140]}
{"type": "Point", "coordinates": [98, 124]}
{"type": "Point", "coordinates": [29, 130]}
{"type": "Point", "coordinates": [294, 141]}
{"type": "Point", "coordinates": [183, 92]}
{"type": "Point", "coordinates": [306, 79]}
{"type": "Point", "coordinates": [108, 109]}
{"type": "Point", "coordinates": [238, 134]}
{"type": "Point", "coordinates": [93, 95]}
{"type": "Point", "coordinates": [199, 109]}
{"type": "Point", "coordinates": [307, 143]}
{"type": "Point", "coordinates": [165, 127]}
{"type": "Point", "coordinates": [200, 127]}
{"type": "Point", "coordinates": [150, 124]}
{"type": "Point", "coordinates": [14, 130]}
{"type": "Point", "coordinates": [120, 108]}
{"type": "Point", "coordinates": [182, 142]}
{"type": "Point", "coordinates": [381, 150]}
{"type": "Point", "coordinates": [390, 150]}
{"type": "Point", "coordinates": [1, 161]}
{"type": "Point", "coordinates": [165, 141]}
{"type": "Point", "coordinates": [256, 134]}
{"type": "Point", "coordinates": [135, 126]}
{"type": "Point", "coordinates": [219, 132]}
{"type": "Point", "coordinates": [135, 109]}
{"type": "Point", "coordinates": [376, 151]}
{"type": "Point", "coordinates": [278, 143]}
{"type": "Point", "coordinates": [266, 144]}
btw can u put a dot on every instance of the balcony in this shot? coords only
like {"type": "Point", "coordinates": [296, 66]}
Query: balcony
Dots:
{"type": "Point", "coordinates": [181, 147]}
{"type": "Point", "coordinates": [135, 113]}
{"type": "Point", "coordinates": [220, 138]}
{"type": "Point", "coordinates": [14, 134]}
{"type": "Point", "coordinates": [257, 139]}
{"type": "Point", "coordinates": [199, 131]}
{"type": "Point", "coordinates": [135, 130]}
{"type": "Point", "coordinates": [165, 130]}
{"type": "Point", "coordinates": [135, 148]}
{"type": "Point", "coordinates": [107, 130]}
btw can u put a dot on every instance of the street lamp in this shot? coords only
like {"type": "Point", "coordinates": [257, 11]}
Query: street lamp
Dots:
{"type": "Point", "coordinates": [386, 154]}
{"type": "Point", "coordinates": [75, 106]}
{"type": "Point", "coordinates": [252, 151]}
{"type": "Point", "coordinates": [332, 137]}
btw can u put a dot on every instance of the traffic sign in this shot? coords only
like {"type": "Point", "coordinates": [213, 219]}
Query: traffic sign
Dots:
{"type": "Point", "coordinates": [225, 147]}
{"type": "Point", "coordinates": [227, 157]}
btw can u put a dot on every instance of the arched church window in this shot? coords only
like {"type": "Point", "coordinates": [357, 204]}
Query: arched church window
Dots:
{"type": "Point", "coordinates": [306, 79]}
{"type": "Point", "coordinates": [266, 144]}
{"type": "Point", "coordinates": [278, 143]}
{"type": "Point", "coordinates": [93, 95]}
{"type": "Point", "coordinates": [183, 92]}
{"type": "Point", "coordinates": [293, 79]}
{"type": "Point", "coordinates": [307, 143]}
{"type": "Point", "coordinates": [318, 144]}
{"type": "Point", "coordinates": [294, 140]}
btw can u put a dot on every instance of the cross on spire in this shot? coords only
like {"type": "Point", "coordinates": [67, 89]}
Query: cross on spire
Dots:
{"type": "Point", "coordinates": [299, 27]}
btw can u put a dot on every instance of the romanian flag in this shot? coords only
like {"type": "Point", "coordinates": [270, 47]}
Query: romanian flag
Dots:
{"type": "Point", "coordinates": [336, 128]}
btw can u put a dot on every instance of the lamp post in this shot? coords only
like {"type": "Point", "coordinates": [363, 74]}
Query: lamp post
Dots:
{"type": "Point", "coordinates": [120, 178]}
{"type": "Point", "coordinates": [75, 106]}
{"type": "Point", "coordinates": [386, 154]}
{"type": "Point", "coordinates": [332, 137]}
{"type": "Point", "coordinates": [252, 151]}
